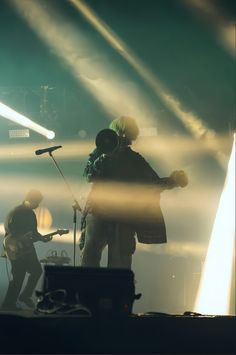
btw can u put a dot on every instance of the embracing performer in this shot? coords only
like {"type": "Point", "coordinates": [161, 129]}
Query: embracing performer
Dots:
{"type": "Point", "coordinates": [21, 232]}
{"type": "Point", "coordinates": [124, 200]}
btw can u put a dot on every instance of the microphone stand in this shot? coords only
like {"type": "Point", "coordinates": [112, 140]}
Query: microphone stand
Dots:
{"type": "Point", "coordinates": [76, 207]}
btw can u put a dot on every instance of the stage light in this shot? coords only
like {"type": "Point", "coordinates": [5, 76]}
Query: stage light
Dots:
{"type": "Point", "coordinates": [50, 135]}
{"type": "Point", "coordinates": [215, 285]}
{"type": "Point", "coordinates": [12, 115]}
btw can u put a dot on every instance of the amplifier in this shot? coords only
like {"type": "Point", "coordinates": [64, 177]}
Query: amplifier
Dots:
{"type": "Point", "coordinates": [104, 291]}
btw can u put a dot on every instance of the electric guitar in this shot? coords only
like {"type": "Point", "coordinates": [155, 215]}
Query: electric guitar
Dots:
{"type": "Point", "coordinates": [18, 246]}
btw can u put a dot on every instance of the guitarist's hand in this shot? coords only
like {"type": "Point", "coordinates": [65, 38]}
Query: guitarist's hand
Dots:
{"type": "Point", "coordinates": [47, 239]}
{"type": "Point", "coordinates": [179, 177]}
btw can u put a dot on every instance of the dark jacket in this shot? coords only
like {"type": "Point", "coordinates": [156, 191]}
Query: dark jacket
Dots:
{"type": "Point", "coordinates": [20, 221]}
{"type": "Point", "coordinates": [127, 166]}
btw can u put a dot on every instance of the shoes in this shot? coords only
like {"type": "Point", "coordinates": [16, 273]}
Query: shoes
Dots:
{"type": "Point", "coordinates": [27, 301]}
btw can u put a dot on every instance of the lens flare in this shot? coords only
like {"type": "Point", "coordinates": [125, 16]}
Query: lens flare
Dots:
{"type": "Point", "coordinates": [215, 285]}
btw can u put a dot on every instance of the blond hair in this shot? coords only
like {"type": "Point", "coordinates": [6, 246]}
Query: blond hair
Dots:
{"type": "Point", "coordinates": [125, 127]}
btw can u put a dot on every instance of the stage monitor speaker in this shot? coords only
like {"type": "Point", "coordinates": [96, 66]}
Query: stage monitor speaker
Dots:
{"type": "Point", "coordinates": [103, 291]}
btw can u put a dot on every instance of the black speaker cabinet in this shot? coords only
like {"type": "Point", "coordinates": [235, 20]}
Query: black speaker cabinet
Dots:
{"type": "Point", "coordinates": [103, 291]}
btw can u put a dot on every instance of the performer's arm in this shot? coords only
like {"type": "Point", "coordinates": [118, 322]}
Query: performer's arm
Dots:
{"type": "Point", "coordinates": [94, 165]}
{"type": "Point", "coordinates": [177, 178]}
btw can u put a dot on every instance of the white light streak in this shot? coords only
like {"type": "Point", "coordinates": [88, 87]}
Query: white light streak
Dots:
{"type": "Point", "coordinates": [196, 126]}
{"type": "Point", "coordinates": [84, 58]}
{"type": "Point", "coordinates": [12, 115]}
{"type": "Point", "coordinates": [215, 286]}
{"type": "Point", "coordinates": [224, 28]}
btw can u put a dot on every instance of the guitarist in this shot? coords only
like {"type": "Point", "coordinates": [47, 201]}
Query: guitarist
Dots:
{"type": "Point", "coordinates": [20, 221]}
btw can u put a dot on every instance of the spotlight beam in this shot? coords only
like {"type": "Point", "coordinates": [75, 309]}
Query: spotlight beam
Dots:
{"type": "Point", "coordinates": [194, 124]}
{"type": "Point", "coordinates": [222, 26]}
{"type": "Point", "coordinates": [110, 90]}
{"type": "Point", "coordinates": [215, 285]}
{"type": "Point", "coordinates": [16, 117]}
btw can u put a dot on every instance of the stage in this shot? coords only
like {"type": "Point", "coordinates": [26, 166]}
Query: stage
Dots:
{"type": "Point", "coordinates": [28, 333]}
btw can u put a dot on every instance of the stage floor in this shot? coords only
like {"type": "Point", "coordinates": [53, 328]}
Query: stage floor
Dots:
{"type": "Point", "coordinates": [28, 333]}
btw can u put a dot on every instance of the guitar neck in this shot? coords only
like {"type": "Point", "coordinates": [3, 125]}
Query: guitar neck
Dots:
{"type": "Point", "coordinates": [50, 234]}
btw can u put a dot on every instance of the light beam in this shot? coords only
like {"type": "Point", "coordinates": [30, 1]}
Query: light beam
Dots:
{"type": "Point", "coordinates": [194, 124]}
{"type": "Point", "coordinates": [12, 115]}
{"type": "Point", "coordinates": [215, 285]}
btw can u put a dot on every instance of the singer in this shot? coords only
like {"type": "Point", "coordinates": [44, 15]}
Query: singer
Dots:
{"type": "Point", "coordinates": [47, 150]}
{"type": "Point", "coordinates": [103, 224]}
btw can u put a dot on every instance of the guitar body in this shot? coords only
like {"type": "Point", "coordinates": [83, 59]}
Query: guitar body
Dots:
{"type": "Point", "coordinates": [17, 247]}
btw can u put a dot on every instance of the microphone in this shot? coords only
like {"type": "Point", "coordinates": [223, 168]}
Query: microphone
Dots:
{"type": "Point", "coordinates": [47, 150]}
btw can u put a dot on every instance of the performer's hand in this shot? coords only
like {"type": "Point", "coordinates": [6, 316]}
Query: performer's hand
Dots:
{"type": "Point", "coordinates": [76, 206]}
{"type": "Point", "coordinates": [99, 161]}
{"type": "Point", "coordinates": [47, 239]}
{"type": "Point", "coordinates": [104, 156]}
{"type": "Point", "coordinates": [179, 177]}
